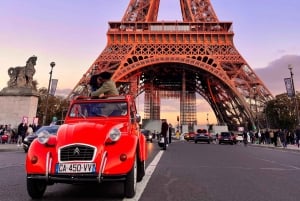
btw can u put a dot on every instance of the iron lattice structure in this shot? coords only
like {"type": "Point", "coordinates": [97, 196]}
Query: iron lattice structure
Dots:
{"type": "Point", "coordinates": [180, 59]}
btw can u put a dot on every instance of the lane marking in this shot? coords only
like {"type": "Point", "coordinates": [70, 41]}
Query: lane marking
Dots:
{"type": "Point", "coordinates": [142, 184]}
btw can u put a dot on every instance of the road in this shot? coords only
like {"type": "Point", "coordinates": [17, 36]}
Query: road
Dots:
{"type": "Point", "coordinates": [185, 172]}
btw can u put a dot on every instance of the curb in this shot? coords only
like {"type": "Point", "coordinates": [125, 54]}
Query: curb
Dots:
{"type": "Point", "coordinates": [278, 148]}
{"type": "Point", "coordinates": [10, 148]}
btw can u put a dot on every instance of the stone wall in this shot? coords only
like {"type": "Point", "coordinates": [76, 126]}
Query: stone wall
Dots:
{"type": "Point", "coordinates": [14, 107]}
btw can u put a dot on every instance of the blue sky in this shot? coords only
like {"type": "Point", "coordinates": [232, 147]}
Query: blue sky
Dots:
{"type": "Point", "coordinates": [72, 33]}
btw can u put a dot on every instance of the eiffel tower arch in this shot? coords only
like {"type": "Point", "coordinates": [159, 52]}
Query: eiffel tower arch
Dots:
{"type": "Point", "coordinates": [179, 59]}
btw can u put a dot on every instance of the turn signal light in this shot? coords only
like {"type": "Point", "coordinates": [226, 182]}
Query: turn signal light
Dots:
{"type": "Point", "coordinates": [123, 157]}
{"type": "Point", "coordinates": [34, 159]}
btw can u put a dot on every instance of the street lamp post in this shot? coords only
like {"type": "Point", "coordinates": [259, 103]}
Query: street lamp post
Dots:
{"type": "Point", "coordinates": [256, 110]}
{"type": "Point", "coordinates": [52, 64]}
{"type": "Point", "coordinates": [290, 67]}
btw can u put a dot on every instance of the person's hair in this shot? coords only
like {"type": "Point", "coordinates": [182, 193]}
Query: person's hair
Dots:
{"type": "Point", "coordinates": [105, 75]}
{"type": "Point", "coordinates": [93, 82]}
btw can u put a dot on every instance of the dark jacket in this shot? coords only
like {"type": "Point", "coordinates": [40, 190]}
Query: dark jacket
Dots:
{"type": "Point", "coordinates": [164, 128]}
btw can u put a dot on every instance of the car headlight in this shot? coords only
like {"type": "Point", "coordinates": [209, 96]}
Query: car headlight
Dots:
{"type": "Point", "coordinates": [114, 134]}
{"type": "Point", "coordinates": [25, 139]}
{"type": "Point", "coordinates": [43, 137]}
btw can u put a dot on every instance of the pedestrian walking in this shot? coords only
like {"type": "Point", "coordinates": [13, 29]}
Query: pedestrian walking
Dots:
{"type": "Point", "coordinates": [170, 133]}
{"type": "Point", "coordinates": [298, 135]}
{"type": "Point", "coordinates": [245, 138]}
{"type": "Point", "coordinates": [271, 134]}
{"type": "Point", "coordinates": [22, 130]}
{"type": "Point", "coordinates": [164, 131]}
{"type": "Point", "coordinates": [9, 133]}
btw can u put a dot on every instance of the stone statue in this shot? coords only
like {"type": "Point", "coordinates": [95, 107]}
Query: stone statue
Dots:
{"type": "Point", "coordinates": [22, 76]}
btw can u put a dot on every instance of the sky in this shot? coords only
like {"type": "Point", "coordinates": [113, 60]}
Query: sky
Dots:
{"type": "Point", "coordinates": [72, 33]}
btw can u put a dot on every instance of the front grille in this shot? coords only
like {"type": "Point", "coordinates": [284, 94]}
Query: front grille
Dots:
{"type": "Point", "coordinates": [77, 153]}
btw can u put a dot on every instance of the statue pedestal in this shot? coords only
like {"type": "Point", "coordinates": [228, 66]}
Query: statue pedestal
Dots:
{"type": "Point", "coordinates": [17, 103]}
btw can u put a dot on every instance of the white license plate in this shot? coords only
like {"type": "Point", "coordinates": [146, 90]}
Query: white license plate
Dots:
{"type": "Point", "coordinates": [75, 168]}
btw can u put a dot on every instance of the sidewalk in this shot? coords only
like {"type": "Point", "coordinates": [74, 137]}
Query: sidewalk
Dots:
{"type": "Point", "coordinates": [271, 146]}
{"type": "Point", "coordinates": [10, 147]}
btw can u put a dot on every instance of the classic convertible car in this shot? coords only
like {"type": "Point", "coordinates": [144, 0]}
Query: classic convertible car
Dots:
{"type": "Point", "coordinates": [99, 141]}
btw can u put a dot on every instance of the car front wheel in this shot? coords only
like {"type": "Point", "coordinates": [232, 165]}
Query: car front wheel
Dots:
{"type": "Point", "coordinates": [131, 179]}
{"type": "Point", "coordinates": [36, 188]}
{"type": "Point", "coordinates": [140, 170]}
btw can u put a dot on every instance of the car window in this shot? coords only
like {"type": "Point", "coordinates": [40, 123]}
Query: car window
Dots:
{"type": "Point", "coordinates": [225, 134]}
{"type": "Point", "coordinates": [85, 110]}
{"type": "Point", "coordinates": [201, 131]}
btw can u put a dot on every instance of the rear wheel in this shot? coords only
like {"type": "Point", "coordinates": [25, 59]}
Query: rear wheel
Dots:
{"type": "Point", "coordinates": [36, 188]}
{"type": "Point", "coordinates": [131, 179]}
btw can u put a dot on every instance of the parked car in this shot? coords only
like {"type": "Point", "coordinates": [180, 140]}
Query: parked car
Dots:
{"type": "Point", "coordinates": [227, 138]}
{"type": "Point", "coordinates": [239, 137]}
{"type": "Point", "coordinates": [189, 136]}
{"type": "Point", "coordinates": [203, 135]}
{"type": "Point", "coordinates": [147, 134]}
{"type": "Point", "coordinates": [29, 138]}
{"type": "Point", "coordinates": [100, 141]}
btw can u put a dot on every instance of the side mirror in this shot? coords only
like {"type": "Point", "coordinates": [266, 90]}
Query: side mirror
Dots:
{"type": "Point", "coordinates": [138, 118]}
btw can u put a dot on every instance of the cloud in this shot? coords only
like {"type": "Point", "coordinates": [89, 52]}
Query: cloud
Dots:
{"type": "Point", "coordinates": [273, 74]}
{"type": "Point", "coordinates": [63, 92]}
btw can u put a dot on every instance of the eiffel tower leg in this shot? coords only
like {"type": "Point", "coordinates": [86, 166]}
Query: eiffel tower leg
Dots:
{"type": "Point", "coordinates": [152, 104]}
{"type": "Point", "coordinates": [188, 110]}
{"type": "Point", "coordinates": [182, 100]}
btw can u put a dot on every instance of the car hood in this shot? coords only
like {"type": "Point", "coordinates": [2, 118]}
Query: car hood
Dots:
{"type": "Point", "coordinates": [85, 132]}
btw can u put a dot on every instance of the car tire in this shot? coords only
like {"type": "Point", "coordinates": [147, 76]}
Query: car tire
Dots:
{"type": "Point", "coordinates": [196, 141]}
{"type": "Point", "coordinates": [131, 180]}
{"type": "Point", "coordinates": [140, 170]}
{"type": "Point", "coordinates": [36, 188]}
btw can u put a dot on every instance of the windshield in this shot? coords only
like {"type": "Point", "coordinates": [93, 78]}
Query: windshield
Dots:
{"type": "Point", "coordinates": [111, 109]}
{"type": "Point", "coordinates": [225, 134]}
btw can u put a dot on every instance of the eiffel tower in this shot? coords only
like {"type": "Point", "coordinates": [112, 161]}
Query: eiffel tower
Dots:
{"type": "Point", "coordinates": [179, 59]}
